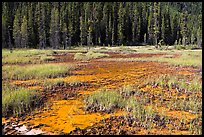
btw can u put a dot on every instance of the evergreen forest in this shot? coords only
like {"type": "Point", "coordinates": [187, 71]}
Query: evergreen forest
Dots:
{"type": "Point", "coordinates": [61, 25]}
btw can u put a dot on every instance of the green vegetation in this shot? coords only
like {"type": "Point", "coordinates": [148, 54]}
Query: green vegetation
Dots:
{"type": "Point", "coordinates": [103, 100]}
{"type": "Point", "coordinates": [192, 104]}
{"type": "Point", "coordinates": [26, 56]}
{"type": "Point", "coordinates": [89, 55]}
{"type": "Point", "coordinates": [60, 82]}
{"type": "Point", "coordinates": [67, 24]}
{"type": "Point", "coordinates": [52, 83]}
{"type": "Point", "coordinates": [174, 81]}
{"type": "Point", "coordinates": [184, 86]}
{"type": "Point", "coordinates": [187, 58]}
{"type": "Point", "coordinates": [134, 101]}
{"type": "Point", "coordinates": [189, 47]}
{"type": "Point", "coordinates": [194, 127]}
{"type": "Point", "coordinates": [35, 71]}
{"type": "Point", "coordinates": [125, 49]}
{"type": "Point", "coordinates": [17, 101]}
{"type": "Point", "coordinates": [110, 100]}
{"type": "Point", "coordinates": [126, 90]}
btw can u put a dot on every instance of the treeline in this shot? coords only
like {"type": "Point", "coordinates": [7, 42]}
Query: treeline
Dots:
{"type": "Point", "coordinates": [64, 24]}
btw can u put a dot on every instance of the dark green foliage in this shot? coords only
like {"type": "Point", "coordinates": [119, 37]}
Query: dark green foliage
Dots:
{"type": "Point", "coordinates": [66, 24]}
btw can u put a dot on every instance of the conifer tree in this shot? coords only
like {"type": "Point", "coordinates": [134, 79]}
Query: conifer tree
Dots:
{"type": "Point", "coordinates": [184, 24]}
{"type": "Point", "coordinates": [65, 36]}
{"type": "Point", "coordinates": [120, 24]}
{"type": "Point", "coordinates": [17, 30]}
{"type": "Point", "coordinates": [42, 33]}
{"type": "Point", "coordinates": [31, 35]}
{"type": "Point", "coordinates": [24, 33]}
{"type": "Point", "coordinates": [71, 23]}
{"type": "Point", "coordinates": [156, 22]}
{"type": "Point", "coordinates": [54, 29]}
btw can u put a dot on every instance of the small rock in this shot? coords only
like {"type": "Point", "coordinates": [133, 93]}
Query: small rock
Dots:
{"type": "Point", "coordinates": [22, 128]}
{"type": "Point", "coordinates": [13, 125]}
{"type": "Point", "coordinates": [34, 132]}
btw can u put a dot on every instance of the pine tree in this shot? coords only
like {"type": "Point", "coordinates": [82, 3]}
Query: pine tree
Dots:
{"type": "Point", "coordinates": [82, 27]}
{"type": "Point", "coordinates": [106, 21]}
{"type": "Point", "coordinates": [65, 35]}
{"type": "Point", "coordinates": [90, 29]}
{"type": "Point", "coordinates": [63, 24]}
{"type": "Point", "coordinates": [199, 32]}
{"type": "Point", "coordinates": [134, 22]}
{"type": "Point", "coordinates": [121, 24]}
{"type": "Point", "coordinates": [41, 29]}
{"type": "Point", "coordinates": [167, 34]}
{"type": "Point", "coordinates": [17, 30]}
{"type": "Point", "coordinates": [156, 23]}
{"type": "Point", "coordinates": [175, 28]}
{"type": "Point", "coordinates": [31, 35]}
{"type": "Point", "coordinates": [114, 16]}
{"type": "Point", "coordinates": [70, 25]}
{"type": "Point", "coordinates": [24, 33]}
{"type": "Point", "coordinates": [184, 24]}
{"type": "Point", "coordinates": [150, 25]}
{"type": "Point", "coordinates": [54, 28]}
{"type": "Point", "coordinates": [4, 26]}
{"type": "Point", "coordinates": [110, 27]}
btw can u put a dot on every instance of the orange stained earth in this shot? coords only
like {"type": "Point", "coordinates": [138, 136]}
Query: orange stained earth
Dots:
{"type": "Point", "coordinates": [66, 115]}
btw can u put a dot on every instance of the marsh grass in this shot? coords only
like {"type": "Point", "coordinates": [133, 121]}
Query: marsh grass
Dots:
{"type": "Point", "coordinates": [137, 109]}
{"type": "Point", "coordinates": [187, 58]}
{"type": "Point", "coordinates": [39, 71]}
{"type": "Point", "coordinates": [59, 82]}
{"type": "Point", "coordinates": [122, 98]}
{"type": "Point", "coordinates": [188, 47]}
{"type": "Point", "coordinates": [19, 100]}
{"type": "Point", "coordinates": [131, 104]}
{"type": "Point", "coordinates": [175, 81]}
{"type": "Point", "coordinates": [27, 56]}
{"type": "Point", "coordinates": [183, 85]}
{"type": "Point", "coordinates": [80, 56]}
{"type": "Point", "coordinates": [53, 83]}
{"type": "Point", "coordinates": [192, 105]}
{"type": "Point", "coordinates": [46, 58]}
{"type": "Point", "coordinates": [195, 126]}
{"type": "Point", "coordinates": [103, 100]}
{"type": "Point", "coordinates": [127, 90]}
{"type": "Point", "coordinates": [145, 115]}
{"type": "Point", "coordinates": [89, 55]}
{"type": "Point", "coordinates": [126, 49]}
{"type": "Point", "coordinates": [179, 47]}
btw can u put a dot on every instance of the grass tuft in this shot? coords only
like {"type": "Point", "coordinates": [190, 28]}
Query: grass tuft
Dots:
{"type": "Point", "coordinates": [26, 56]}
{"type": "Point", "coordinates": [17, 101]}
{"type": "Point", "coordinates": [35, 71]}
{"type": "Point", "coordinates": [89, 55]}
{"type": "Point", "coordinates": [103, 100]}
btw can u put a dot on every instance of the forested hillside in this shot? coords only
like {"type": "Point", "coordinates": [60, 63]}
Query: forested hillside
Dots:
{"type": "Point", "coordinates": [65, 24]}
